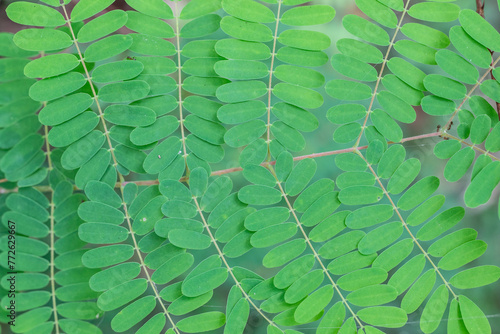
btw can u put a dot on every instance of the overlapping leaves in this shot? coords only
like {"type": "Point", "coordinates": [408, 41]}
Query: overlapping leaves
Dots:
{"type": "Point", "coordinates": [365, 248]}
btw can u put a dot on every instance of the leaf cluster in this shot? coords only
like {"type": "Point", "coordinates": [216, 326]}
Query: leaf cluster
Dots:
{"type": "Point", "coordinates": [113, 124]}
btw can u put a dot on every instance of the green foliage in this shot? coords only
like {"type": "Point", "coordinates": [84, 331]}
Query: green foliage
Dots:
{"type": "Point", "coordinates": [116, 127]}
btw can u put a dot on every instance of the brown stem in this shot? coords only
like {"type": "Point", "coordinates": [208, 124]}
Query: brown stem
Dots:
{"type": "Point", "coordinates": [239, 169]}
{"type": "Point", "coordinates": [480, 11]}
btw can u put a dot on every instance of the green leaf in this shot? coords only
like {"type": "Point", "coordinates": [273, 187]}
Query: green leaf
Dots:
{"type": "Point", "coordinates": [463, 254]}
{"type": "Point", "coordinates": [189, 239]}
{"type": "Point", "coordinates": [248, 10]}
{"type": "Point", "coordinates": [172, 268]}
{"type": "Point", "coordinates": [241, 69]}
{"type": "Point", "coordinates": [266, 217]}
{"type": "Point", "coordinates": [341, 245]}
{"type": "Point", "coordinates": [348, 90]}
{"type": "Point", "coordinates": [320, 209]}
{"type": "Point", "coordinates": [301, 57]}
{"type": "Point", "coordinates": [480, 129]}
{"type": "Point", "coordinates": [201, 26]}
{"type": "Point", "coordinates": [121, 294]}
{"type": "Point", "coordinates": [435, 83]}
{"type": "Point", "coordinates": [384, 316]}
{"type": "Point", "coordinates": [329, 227]}
{"type": "Point", "coordinates": [107, 255]}
{"type": "Point", "coordinates": [313, 304]}
{"type": "Point", "coordinates": [446, 149]}
{"type": "Point", "coordinates": [204, 282]}
{"type": "Point", "coordinates": [56, 87]}
{"type": "Point", "coordinates": [404, 176]}
{"type": "Point", "coordinates": [259, 175]}
{"type": "Point", "coordinates": [396, 108]}
{"type": "Point", "coordinates": [129, 115]}
{"type": "Point", "coordinates": [111, 277]}
{"type": "Point", "coordinates": [434, 11]}
{"type": "Point", "coordinates": [393, 255]}
{"type": "Point", "coordinates": [284, 253]}
{"type": "Point", "coordinates": [359, 50]}
{"type": "Point", "coordinates": [273, 234]}
{"type": "Point", "coordinates": [299, 96]}
{"type": "Point", "coordinates": [117, 71]}
{"type": "Point", "coordinates": [378, 12]}
{"type": "Point", "coordinates": [244, 50]}
{"type": "Point", "coordinates": [458, 165]}
{"type": "Point", "coordinates": [144, 24]}
{"type": "Point", "coordinates": [21, 153]}
{"type": "Point", "coordinates": [199, 8]}
{"type": "Point", "coordinates": [293, 271]}
{"type": "Point", "coordinates": [156, 8]}
{"type": "Point", "coordinates": [350, 262]}
{"type": "Point", "coordinates": [33, 14]}
{"type": "Point", "coordinates": [380, 237]}
{"type": "Point", "coordinates": [408, 73]}
{"type": "Point", "coordinates": [476, 277]}
{"type": "Point", "coordinates": [64, 109]}
{"type": "Point", "coordinates": [300, 177]}
{"type": "Point", "coordinates": [482, 186]}
{"type": "Point", "coordinates": [426, 210]}
{"type": "Point", "coordinates": [419, 192]}
{"type": "Point", "coordinates": [373, 295]}
{"type": "Point", "coordinates": [241, 91]}
{"type": "Point", "coordinates": [360, 195]}
{"type": "Point", "coordinates": [441, 223]}
{"type": "Point", "coordinates": [305, 39]}
{"type": "Point", "coordinates": [101, 233]}
{"type": "Point", "coordinates": [308, 15]}
{"type": "Point", "coordinates": [479, 29]}
{"type": "Point", "coordinates": [434, 310]}
{"type": "Point", "coordinates": [334, 318]}
{"type": "Point", "coordinates": [244, 30]}
{"type": "Point", "coordinates": [51, 65]}
{"type": "Point", "coordinates": [133, 314]}
{"type": "Point", "coordinates": [87, 8]}
{"type": "Point", "coordinates": [198, 181]}
{"type": "Point", "coordinates": [179, 209]}
{"type": "Point", "coordinates": [100, 212]}
{"type": "Point", "coordinates": [124, 92]}
{"type": "Point", "coordinates": [362, 278]}
{"type": "Point", "coordinates": [203, 322]}
{"type": "Point", "coordinates": [474, 319]}
{"type": "Point", "coordinates": [442, 246]}
{"type": "Point", "coordinates": [426, 35]}
{"type": "Point", "coordinates": [108, 47]}
{"type": "Point", "coordinates": [469, 48]}
{"type": "Point", "coordinates": [345, 113]}
{"type": "Point", "coordinates": [419, 291]}
{"type": "Point", "coordinates": [386, 125]}
{"type": "Point", "coordinates": [259, 195]}
{"type": "Point", "coordinates": [102, 26]}
{"type": "Point", "coordinates": [457, 66]}
{"type": "Point", "coordinates": [365, 30]}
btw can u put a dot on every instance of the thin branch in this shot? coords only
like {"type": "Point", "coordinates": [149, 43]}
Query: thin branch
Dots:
{"type": "Point", "coordinates": [120, 176]}
{"type": "Point", "coordinates": [239, 169]}
{"type": "Point", "coordinates": [415, 241]}
{"type": "Point", "coordinates": [379, 78]}
{"type": "Point", "coordinates": [229, 269]}
{"type": "Point", "coordinates": [270, 84]}
{"type": "Point", "coordinates": [469, 94]}
{"type": "Point", "coordinates": [480, 10]}
{"type": "Point", "coordinates": [472, 146]}
{"type": "Point", "coordinates": [52, 232]}
{"type": "Point", "coordinates": [308, 241]}
{"type": "Point", "coordinates": [179, 84]}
